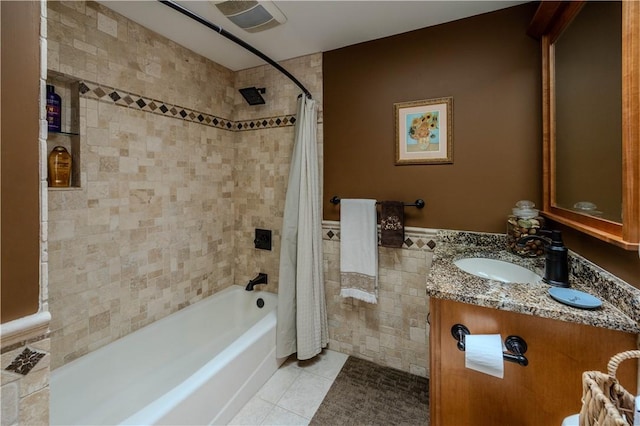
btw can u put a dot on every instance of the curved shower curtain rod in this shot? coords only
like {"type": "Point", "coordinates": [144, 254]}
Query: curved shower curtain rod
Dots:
{"type": "Point", "coordinates": [223, 32]}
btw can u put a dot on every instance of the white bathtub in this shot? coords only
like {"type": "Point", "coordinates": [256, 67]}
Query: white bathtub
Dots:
{"type": "Point", "coordinates": [199, 365]}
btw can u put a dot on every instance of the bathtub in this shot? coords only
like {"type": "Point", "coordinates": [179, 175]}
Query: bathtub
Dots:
{"type": "Point", "coordinates": [199, 365]}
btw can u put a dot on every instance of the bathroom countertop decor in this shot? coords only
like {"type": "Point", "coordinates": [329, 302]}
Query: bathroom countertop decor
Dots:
{"type": "Point", "coordinates": [621, 302]}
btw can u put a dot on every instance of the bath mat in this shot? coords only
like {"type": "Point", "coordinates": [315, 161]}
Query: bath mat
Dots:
{"type": "Point", "coordinates": [365, 393]}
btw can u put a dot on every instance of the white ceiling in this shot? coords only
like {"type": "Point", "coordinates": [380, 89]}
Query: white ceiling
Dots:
{"type": "Point", "coordinates": [311, 27]}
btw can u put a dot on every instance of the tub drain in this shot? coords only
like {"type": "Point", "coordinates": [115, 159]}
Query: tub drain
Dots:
{"type": "Point", "coordinates": [260, 302]}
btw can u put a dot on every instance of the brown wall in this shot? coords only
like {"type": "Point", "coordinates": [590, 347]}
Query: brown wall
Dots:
{"type": "Point", "coordinates": [491, 68]}
{"type": "Point", "coordinates": [20, 179]}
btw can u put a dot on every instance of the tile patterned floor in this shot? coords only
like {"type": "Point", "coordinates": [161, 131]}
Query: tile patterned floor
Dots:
{"type": "Point", "coordinates": [294, 393]}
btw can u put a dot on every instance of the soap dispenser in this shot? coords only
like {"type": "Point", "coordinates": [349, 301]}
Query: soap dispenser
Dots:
{"type": "Point", "coordinates": [556, 267]}
{"type": "Point", "coordinates": [523, 222]}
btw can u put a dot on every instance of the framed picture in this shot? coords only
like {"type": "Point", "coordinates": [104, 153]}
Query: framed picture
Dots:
{"type": "Point", "coordinates": [424, 131]}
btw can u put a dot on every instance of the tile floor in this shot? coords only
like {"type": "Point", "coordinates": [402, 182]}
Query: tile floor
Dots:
{"type": "Point", "coordinates": [294, 393]}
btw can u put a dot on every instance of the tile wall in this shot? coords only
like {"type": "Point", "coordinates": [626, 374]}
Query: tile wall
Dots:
{"type": "Point", "coordinates": [177, 172]}
{"type": "Point", "coordinates": [261, 170]}
{"type": "Point", "coordinates": [394, 332]}
{"type": "Point", "coordinates": [175, 167]}
{"type": "Point", "coordinates": [151, 228]}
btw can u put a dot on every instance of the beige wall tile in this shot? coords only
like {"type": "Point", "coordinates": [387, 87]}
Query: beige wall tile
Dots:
{"type": "Point", "coordinates": [168, 208]}
{"type": "Point", "coordinates": [10, 403]}
{"type": "Point", "coordinates": [34, 408]}
{"type": "Point", "coordinates": [392, 332]}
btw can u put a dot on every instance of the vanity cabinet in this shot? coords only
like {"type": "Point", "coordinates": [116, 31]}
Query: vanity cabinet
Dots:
{"type": "Point", "coordinates": [542, 393]}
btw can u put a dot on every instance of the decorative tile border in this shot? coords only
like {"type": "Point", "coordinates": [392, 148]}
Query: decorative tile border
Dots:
{"type": "Point", "coordinates": [414, 238]}
{"type": "Point", "coordinates": [265, 123]}
{"type": "Point", "coordinates": [126, 99]}
{"type": "Point", "coordinates": [25, 362]}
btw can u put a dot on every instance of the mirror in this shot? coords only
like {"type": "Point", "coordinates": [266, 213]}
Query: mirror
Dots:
{"type": "Point", "coordinates": [588, 111]}
{"type": "Point", "coordinates": [591, 118]}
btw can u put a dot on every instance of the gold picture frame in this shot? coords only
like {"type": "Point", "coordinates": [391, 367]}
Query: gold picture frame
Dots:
{"type": "Point", "coordinates": [424, 131]}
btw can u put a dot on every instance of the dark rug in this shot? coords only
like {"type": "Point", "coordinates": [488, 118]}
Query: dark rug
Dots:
{"type": "Point", "coordinates": [365, 393]}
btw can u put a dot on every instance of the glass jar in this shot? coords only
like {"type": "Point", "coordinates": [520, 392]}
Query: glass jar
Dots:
{"type": "Point", "coordinates": [523, 222]}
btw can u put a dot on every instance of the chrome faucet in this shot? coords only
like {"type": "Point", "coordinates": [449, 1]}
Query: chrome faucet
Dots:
{"type": "Point", "coordinates": [260, 279]}
{"type": "Point", "coordinates": [556, 265]}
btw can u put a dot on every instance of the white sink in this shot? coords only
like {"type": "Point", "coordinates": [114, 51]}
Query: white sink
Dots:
{"type": "Point", "coordinates": [497, 270]}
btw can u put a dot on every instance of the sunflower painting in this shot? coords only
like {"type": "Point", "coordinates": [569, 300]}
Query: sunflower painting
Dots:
{"type": "Point", "coordinates": [423, 131]}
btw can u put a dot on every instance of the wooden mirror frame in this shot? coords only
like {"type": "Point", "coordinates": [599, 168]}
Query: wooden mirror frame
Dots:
{"type": "Point", "coordinates": [550, 20]}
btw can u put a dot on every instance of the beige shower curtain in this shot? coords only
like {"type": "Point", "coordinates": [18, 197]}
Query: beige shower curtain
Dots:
{"type": "Point", "coordinates": [302, 315]}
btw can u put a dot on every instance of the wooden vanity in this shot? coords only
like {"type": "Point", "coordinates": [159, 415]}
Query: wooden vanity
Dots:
{"type": "Point", "coordinates": [544, 392]}
{"type": "Point", "coordinates": [562, 341]}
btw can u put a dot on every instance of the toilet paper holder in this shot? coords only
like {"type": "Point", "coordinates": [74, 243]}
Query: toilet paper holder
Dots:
{"type": "Point", "coordinates": [516, 345]}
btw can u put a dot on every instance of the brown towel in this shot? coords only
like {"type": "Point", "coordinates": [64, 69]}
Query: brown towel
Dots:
{"type": "Point", "coordinates": [392, 224]}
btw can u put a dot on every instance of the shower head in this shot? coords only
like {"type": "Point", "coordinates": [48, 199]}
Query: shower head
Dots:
{"type": "Point", "coordinates": [252, 95]}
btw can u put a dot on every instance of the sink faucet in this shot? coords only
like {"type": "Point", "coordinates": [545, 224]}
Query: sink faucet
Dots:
{"type": "Point", "coordinates": [556, 265]}
{"type": "Point", "coordinates": [260, 279]}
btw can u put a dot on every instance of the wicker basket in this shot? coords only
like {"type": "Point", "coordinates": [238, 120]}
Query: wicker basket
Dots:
{"type": "Point", "coordinates": [604, 401]}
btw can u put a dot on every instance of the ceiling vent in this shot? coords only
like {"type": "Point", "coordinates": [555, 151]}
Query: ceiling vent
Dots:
{"type": "Point", "coordinates": [252, 16]}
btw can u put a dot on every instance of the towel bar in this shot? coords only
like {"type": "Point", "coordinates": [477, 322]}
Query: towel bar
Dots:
{"type": "Point", "coordinates": [419, 203]}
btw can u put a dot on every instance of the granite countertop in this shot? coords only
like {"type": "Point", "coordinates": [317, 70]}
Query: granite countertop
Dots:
{"type": "Point", "coordinates": [620, 308]}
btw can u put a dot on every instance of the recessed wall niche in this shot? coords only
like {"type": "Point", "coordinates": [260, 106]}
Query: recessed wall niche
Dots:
{"type": "Point", "coordinates": [69, 135]}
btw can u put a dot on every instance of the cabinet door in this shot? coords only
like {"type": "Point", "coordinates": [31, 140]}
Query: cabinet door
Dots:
{"type": "Point", "coordinates": [542, 393]}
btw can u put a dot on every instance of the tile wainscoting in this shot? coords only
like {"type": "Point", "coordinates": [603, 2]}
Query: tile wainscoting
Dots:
{"type": "Point", "coordinates": [394, 332]}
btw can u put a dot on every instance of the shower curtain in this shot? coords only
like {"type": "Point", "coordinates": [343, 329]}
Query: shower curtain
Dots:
{"type": "Point", "coordinates": [302, 315]}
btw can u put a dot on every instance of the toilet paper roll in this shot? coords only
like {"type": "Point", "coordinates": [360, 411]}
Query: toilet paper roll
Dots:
{"type": "Point", "coordinates": [483, 353]}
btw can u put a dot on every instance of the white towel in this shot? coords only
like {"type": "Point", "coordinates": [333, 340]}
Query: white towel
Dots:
{"type": "Point", "coordinates": [359, 250]}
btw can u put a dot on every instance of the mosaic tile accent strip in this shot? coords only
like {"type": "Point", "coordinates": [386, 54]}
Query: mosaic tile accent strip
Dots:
{"type": "Point", "coordinates": [25, 361]}
{"type": "Point", "coordinates": [122, 98]}
{"type": "Point", "coordinates": [415, 238]}
{"type": "Point", "coordinates": [265, 123]}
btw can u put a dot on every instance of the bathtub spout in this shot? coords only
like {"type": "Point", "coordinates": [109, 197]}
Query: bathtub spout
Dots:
{"type": "Point", "coordinates": [260, 279]}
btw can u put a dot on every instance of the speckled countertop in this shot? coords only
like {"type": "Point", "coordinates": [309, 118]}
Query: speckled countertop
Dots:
{"type": "Point", "coordinates": [620, 308]}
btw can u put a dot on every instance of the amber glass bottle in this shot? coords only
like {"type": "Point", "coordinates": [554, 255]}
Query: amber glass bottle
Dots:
{"type": "Point", "coordinates": [59, 167]}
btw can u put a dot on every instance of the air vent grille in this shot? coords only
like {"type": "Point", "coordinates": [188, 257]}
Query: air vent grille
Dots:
{"type": "Point", "coordinates": [252, 16]}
